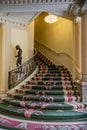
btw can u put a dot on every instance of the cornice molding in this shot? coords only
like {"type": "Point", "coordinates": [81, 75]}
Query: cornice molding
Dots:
{"type": "Point", "coordinates": [65, 8]}
{"type": "Point", "coordinates": [11, 21]}
{"type": "Point", "coordinates": [33, 8]}
{"type": "Point", "coordinates": [6, 19]}
{"type": "Point", "coordinates": [19, 2]}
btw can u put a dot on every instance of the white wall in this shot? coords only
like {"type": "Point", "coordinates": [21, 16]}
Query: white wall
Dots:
{"type": "Point", "coordinates": [24, 38]}
{"type": "Point", "coordinates": [10, 37]}
{"type": "Point", "coordinates": [19, 37]}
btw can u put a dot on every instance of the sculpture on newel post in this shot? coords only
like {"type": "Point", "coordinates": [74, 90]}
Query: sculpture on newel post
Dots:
{"type": "Point", "coordinates": [19, 59]}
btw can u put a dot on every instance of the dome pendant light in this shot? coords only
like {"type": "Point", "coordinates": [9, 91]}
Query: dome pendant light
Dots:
{"type": "Point", "coordinates": [50, 18]}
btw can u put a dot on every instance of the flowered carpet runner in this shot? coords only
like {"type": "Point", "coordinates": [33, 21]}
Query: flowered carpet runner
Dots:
{"type": "Point", "coordinates": [49, 101]}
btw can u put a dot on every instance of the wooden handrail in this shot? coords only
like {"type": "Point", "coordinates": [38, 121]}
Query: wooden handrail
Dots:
{"type": "Point", "coordinates": [76, 67]}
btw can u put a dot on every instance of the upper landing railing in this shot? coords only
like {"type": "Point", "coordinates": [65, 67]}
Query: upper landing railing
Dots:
{"type": "Point", "coordinates": [17, 75]}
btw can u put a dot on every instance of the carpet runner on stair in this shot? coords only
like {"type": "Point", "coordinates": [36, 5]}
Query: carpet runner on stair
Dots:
{"type": "Point", "coordinates": [49, 101]}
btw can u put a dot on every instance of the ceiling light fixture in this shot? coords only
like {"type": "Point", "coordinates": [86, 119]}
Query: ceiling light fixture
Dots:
{"type": "Point", "coordinates": [50, 18]}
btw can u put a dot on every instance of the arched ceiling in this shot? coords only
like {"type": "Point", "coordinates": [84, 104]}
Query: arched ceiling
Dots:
{"type": "Point", "coordinates": [23, 12]}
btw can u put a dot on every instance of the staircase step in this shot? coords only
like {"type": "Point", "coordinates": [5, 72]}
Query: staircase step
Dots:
{"type": "Point", "coordinates": [49, 92]}
{"type": "Point", "coordinates": [44, 105]}
{"type": "Point", "coordinates": [49, 96]}
{"type": "Point", "coordinates": [48, 87]}
{"type": "Point", "coordinates": [40, 82]}
{"type": "Point", "coordinates": [44, 114]}
{"type": "Point", "coordinates": [52, 78]}
{"type": "Point", "coordinates": [55, 75]}
{"type": "Point", "coordinates": [45, 92]}
{"type": "Point", "coordinates": [45, 98]}
{"type": "Point", "coordinates": [48, 78]}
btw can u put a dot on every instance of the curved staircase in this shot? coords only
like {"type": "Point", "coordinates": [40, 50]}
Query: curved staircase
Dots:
{"type": "Point", "coordinates": [49, 101]}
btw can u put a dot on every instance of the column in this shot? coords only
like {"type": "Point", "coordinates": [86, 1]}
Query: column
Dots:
{"type": "Point", "coordinates": [78, 46]}
{"type": "Point", "coordinates": [1, 37]}
{"type": "Point", "coordinates": [4, 61]}
{"type": "Point", "coordinates": [84, 57]}
{"type": "Point", "coordinates": [84, 45]}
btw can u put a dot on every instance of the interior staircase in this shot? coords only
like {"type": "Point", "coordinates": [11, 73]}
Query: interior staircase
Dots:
{"type": "Point", "coordinates": [49, 101]}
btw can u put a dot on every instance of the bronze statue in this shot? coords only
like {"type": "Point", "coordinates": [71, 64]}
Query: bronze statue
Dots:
{"type": "Point", "coordinates": [19, 56]}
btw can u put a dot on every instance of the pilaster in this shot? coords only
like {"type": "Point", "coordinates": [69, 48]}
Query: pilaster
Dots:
{"type": "Point", "coordinates": [77, 23]}
{"type": "Point", "coordinates": [84, 57]}
{"type": "Point", "coordinates": [84, 44]}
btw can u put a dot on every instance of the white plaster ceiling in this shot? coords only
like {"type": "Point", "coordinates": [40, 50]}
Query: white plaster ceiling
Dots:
{"type": "Point", "coordinates": [23, 12]}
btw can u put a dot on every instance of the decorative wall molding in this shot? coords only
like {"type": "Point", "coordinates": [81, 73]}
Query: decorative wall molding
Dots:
{"type": "Point", "coordinates": [9, 2]}
{"type": "Point", "coordinates": [11, 21]}
{"type": "Point", "coordinates": [74, 9]}
{"type": "Point", "coordinates": [17, 19]}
